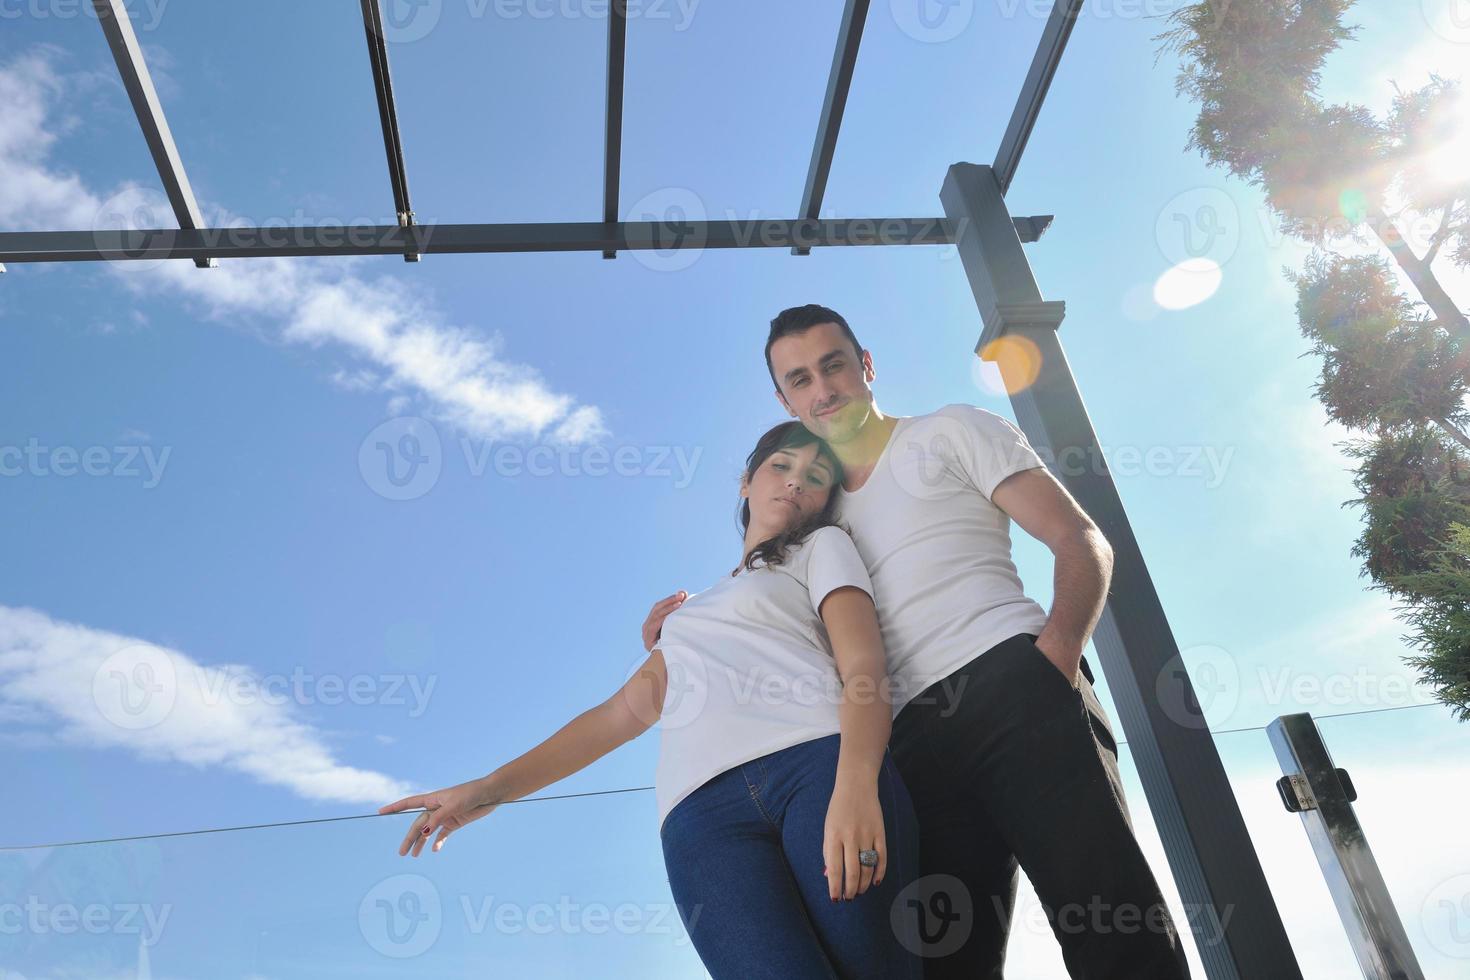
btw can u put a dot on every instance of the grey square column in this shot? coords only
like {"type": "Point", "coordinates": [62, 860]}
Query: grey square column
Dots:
{"type": "Point", "coordinates": [1210, 853]}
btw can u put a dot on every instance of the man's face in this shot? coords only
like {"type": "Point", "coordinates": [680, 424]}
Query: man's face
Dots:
{"type": "Point", "coordinates": [823, 381]}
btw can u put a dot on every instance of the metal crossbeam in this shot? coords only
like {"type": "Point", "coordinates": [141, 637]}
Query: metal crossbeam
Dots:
{"type": "Point", "coordinates": [1033, 93]}
{"type": "Point", "coordinates": [572, 236]}
{"type": "Point", "coordinates": [118, 29]}
{"type": "Point", "coordinates": [372, 21]}
{"type": "Point", "coordinates": [839, 81]}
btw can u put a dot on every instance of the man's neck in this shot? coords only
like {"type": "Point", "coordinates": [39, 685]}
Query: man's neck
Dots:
{"type": "Point", "coordinates": [859, 455]}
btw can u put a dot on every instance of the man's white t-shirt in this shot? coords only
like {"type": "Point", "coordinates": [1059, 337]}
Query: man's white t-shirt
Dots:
{"type": "Point", "coordinates": [750, 665]}
{"type": "Point", "coordinates": [937, 550]}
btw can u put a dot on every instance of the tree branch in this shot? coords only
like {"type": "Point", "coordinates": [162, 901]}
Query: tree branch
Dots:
{"type": "Point", "coordinates": [1443, 234]}
{"type": "Point", "coordinates": [1453, 431]}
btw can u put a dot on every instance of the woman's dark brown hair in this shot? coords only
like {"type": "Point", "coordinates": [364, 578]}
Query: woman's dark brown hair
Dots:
{"type": "Point", "coordinates": [787, 435]}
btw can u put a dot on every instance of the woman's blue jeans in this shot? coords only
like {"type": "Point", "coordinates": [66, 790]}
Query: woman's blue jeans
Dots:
{"type": "Point", "coordinates": [744, 857]}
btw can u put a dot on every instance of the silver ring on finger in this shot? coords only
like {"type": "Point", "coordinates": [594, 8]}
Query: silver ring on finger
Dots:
{"type": "Point", "coordinates": [868, 858]}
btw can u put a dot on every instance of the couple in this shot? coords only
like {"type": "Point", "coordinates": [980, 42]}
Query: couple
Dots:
{"type": "Point", "coordinates": [957, 735]}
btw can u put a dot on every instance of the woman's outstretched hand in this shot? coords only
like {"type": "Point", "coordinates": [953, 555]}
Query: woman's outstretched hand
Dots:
{"type": "Point", "coordinates": [446, 810]}
{"type": "Point", "coordinates": [854, 823]}
{"type": "Point", "coordinates": [654, 624]}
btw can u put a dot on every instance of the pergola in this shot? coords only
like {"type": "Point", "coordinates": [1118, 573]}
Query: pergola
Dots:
{"type": "Point", "coordinates": [1238, 929]}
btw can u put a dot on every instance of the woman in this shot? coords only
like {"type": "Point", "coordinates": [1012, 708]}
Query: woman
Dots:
{"type": "Point", "coordinates": [773, 748]}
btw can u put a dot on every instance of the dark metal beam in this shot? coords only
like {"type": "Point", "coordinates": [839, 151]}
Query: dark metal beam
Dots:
{"type": "Point", "coordinates": [1033, 93]}
{"type": "Point", "coordinates": [839, 81]}
{"type": "Point", "coordinates": [118, 29]}
{"type": "Point", "coordinates": [372, 20]}
{"type": "Point", "coordinates": [1237, 928]}
{"type": "Point", "coordinates": [612, 162]}
{"type": "Point", "coordinates": [575, 236]}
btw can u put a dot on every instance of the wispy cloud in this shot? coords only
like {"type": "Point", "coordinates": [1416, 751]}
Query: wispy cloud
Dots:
{"type": "Point", "coordinates": [95, 689]}
{"type": "Point", "coordinates": [392, 340]}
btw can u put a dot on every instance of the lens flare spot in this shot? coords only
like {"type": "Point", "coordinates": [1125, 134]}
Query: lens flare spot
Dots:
{"type": "Point", "coordinates": [1187, 284]}
{"type": "Point", "coordinates": [1007, 364]}
{"type": "Point", "coordinates": [1353, 204]}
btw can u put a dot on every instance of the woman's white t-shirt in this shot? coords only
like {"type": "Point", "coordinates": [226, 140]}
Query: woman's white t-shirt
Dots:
{"type": "Point", "coordinates": [750, 667]}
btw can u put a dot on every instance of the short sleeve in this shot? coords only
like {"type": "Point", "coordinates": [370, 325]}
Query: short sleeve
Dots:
{"type": "Point", "coordinates": [833, 562]}
{"type": "Point", "coordinates": [994, 447]}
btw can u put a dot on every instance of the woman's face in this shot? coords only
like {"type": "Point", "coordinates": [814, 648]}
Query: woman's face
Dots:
{"type": "Point", "coordinates": [790, 485]}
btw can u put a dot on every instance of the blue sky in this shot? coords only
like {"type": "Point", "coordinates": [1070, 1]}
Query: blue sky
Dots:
{"type": "Point", "coordinates": [335, 648]}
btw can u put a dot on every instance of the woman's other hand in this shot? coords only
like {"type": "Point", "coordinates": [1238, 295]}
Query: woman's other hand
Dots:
{"type": "Point", "coordinates": [653, 626]}
{"type": "Point", "coordinates": [854, 823]}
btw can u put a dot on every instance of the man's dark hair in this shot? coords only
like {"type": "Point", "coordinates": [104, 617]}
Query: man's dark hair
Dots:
{"type": "Point", "coordinates": [799, 319]}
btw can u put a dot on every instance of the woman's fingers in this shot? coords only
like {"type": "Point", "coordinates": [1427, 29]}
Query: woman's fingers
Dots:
{"type": "Point", "coordinates": [869, 872]}
{"type": "Point", "coordinates": [653, 625]}
{"type": "Point", "coordinates": [847, 876]}
{"type": "Point", "coordinates": [407, 803]}
{"type": "Point", "coordinates": [420, 830]}
{"type": "Point", "coordinates": [878, 842]}
{"type": "Point", "coordinates": [431, 824]}
{"type": "Point", "coordinates": [832, 855]}
{"type": "Point", "coordinates": [854, 870]}
{"type": "Point", "coordinates": [413, 835]}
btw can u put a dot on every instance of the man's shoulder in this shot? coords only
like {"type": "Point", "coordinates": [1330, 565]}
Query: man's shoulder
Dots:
{"type": "Point", "coordinates": [964, 413]}
{"type": "Point", "coordinates": [964, 408]}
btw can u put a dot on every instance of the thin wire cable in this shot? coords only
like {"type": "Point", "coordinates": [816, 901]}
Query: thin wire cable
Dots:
{"type": "Point", "coordinates": [1340, 714]}
{"type": "Point", "coordinates": [298, 823]}
{"type": "Point", "coordinates": [570, 796]}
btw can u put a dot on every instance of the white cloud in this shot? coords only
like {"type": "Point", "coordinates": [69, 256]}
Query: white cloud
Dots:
{"type": "Point", "coordinates": [96, 689]}
{"type": "Point", "coordinates": [34, 194]}
{"type": "Point", "coordinates": [394, 341]}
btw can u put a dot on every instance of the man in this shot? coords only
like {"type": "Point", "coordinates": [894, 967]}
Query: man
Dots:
{"type": "Point", "coordinates": [1004, 747]}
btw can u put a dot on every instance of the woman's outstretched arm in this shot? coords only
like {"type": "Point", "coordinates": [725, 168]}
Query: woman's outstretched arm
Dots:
{"type": "Point", "coordinates": [630, 712]}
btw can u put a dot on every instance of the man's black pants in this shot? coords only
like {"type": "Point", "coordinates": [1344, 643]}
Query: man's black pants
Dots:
{"type": "Point", "coordinates": [1007, 763]}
